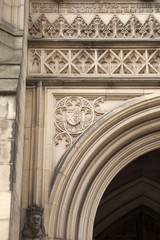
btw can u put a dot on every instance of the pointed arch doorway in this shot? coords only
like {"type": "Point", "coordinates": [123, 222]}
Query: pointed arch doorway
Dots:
{"type": "Point", "coordinates": [84, 173]}
{"type": "Point", "coordinates": [129, 208]}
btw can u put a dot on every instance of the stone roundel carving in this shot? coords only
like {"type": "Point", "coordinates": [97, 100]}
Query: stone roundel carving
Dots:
{"type": "Point", "coordinates": [73, 115]}
{"type": "Point", "coordinates": [99, 106]}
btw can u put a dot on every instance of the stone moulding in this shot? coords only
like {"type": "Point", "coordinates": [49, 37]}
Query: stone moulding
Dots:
{"type": "Point", "coordinates": [116, 139]}
{"type": "Point", "coordinates": [42, 28]}
{"type": "Point", "coordinates": [89, 62]}
{"type": "Point", "coordinates": [90, 6]}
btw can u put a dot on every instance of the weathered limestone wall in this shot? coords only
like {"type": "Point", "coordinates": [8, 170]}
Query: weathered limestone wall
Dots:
{"type": "Point", "coordinates": [12, 95]}
{"type": "Point", "coordinates": [13, 13]}
{"type": "Point", "coordinates": [85, 59]}
{"type": "Point", "coordinates": [7, 134]}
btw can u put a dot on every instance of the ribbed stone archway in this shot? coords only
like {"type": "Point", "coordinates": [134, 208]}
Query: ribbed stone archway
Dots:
{"type": "Point", "coordinates": [83, 174]}
{"type": "Point", "coordinates": [113, 207]}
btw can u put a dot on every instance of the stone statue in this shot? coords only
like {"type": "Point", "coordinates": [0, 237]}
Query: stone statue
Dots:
{"type": "Point", "coordinates": [34, 228]}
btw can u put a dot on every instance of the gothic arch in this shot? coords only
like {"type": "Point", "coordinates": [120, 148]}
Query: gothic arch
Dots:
{"type": "Point", "coordinates": [83, 174]}
{"type": "Point", "coordinates": [125, 199]}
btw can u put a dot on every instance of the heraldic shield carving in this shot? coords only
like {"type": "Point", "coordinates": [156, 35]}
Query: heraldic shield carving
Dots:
{"type": "Point", "coordinates": [73, 115]}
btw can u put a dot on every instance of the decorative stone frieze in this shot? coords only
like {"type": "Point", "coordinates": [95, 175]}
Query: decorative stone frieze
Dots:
{"type": "Point", "coordinates": [88, 62]}
{"type": "Point", "coordinates": [96, 29]}
{"type": "Point", "coordinates": [94, 7]}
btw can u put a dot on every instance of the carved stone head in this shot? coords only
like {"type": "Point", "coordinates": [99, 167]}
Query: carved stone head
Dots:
{"type": "Point", "coordinates": [34, 227]}
{"type": "Point", "coordinates": [34, 221]}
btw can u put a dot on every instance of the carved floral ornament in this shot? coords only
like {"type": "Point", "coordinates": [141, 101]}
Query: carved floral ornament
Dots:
{"type": "Point", "coordinates": [97, 29]}
{"type": "Point", "coordinates": [72, 115]}
{"type": "Point", "coordinates": [110, 62]}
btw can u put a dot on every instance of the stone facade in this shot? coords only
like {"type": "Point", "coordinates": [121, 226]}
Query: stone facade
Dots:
{"type": "Point", "coordinates": [79, 84]}
{"type": "Point", "coordinates": [12, 99]}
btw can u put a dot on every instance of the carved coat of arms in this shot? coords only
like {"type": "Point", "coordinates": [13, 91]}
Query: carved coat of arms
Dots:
{"type": "Point", "coordinates": [73, 114]}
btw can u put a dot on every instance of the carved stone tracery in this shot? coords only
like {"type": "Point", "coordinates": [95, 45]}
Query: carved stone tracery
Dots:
{"type": "Point", "coordinates": [110, 62]}
{"type": "Point", "coordinates": [132, 28]}
{"type": "Point", "coordinates": [96, 29]}
{"type": "Point", "coordinates": [63, 139]}
{"type": "Point", "coordinates": [99, 106]}
{"type": "Point", "coordinates": [73, 115]}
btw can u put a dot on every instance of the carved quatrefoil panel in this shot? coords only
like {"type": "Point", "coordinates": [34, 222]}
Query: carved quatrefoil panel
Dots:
{"type": "Point", "coordinates": [87, 62]}
{"type": "Point", "coordinates": [108, 61]}
{"type": "Point", "coordinates": [134, 61]}
{"type": "Point", "coordinates": [56, 62]}
{"type": "Point", "coordinates": [154, 62]}
{"type": "Point", "coordinates": [83, 61]}
{"type": "Point", "coordinates": [73, 115]}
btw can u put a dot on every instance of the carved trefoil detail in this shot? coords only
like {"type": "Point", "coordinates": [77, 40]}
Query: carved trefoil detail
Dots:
{"type": "Point", "coordinates": [99, 106]}
{"type": "Point", "coordinates": [73, 115]}
{"type": "Point", "coordinates": [96, 29]}
{"type": "Point", "coordinates": [63, 139]}
{"type": "Point", "coordinates": [88, 62]}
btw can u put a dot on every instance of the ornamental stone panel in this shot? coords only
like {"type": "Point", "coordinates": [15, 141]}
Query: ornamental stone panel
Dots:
{"type": "Point", "coordinates": [91, 6]}
{"type": "Point", "coordinates": [89, 62]}
{"type": "Point", "coordinates": [114, 27]}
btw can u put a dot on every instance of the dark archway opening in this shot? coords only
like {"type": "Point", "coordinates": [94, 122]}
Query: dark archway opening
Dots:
{"type": "Point", "coordinates": [130, 206]}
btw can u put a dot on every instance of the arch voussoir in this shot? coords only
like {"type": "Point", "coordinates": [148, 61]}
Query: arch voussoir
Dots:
{"type": "Point", "coordinates": [96, 157]}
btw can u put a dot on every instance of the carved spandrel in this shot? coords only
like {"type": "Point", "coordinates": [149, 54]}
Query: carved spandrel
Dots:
{"type": "Point", "coordinates": [73, 115]}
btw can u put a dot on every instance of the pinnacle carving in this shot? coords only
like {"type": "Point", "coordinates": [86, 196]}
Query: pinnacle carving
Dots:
{"type": "Point", "coordinates": [96, 29]}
